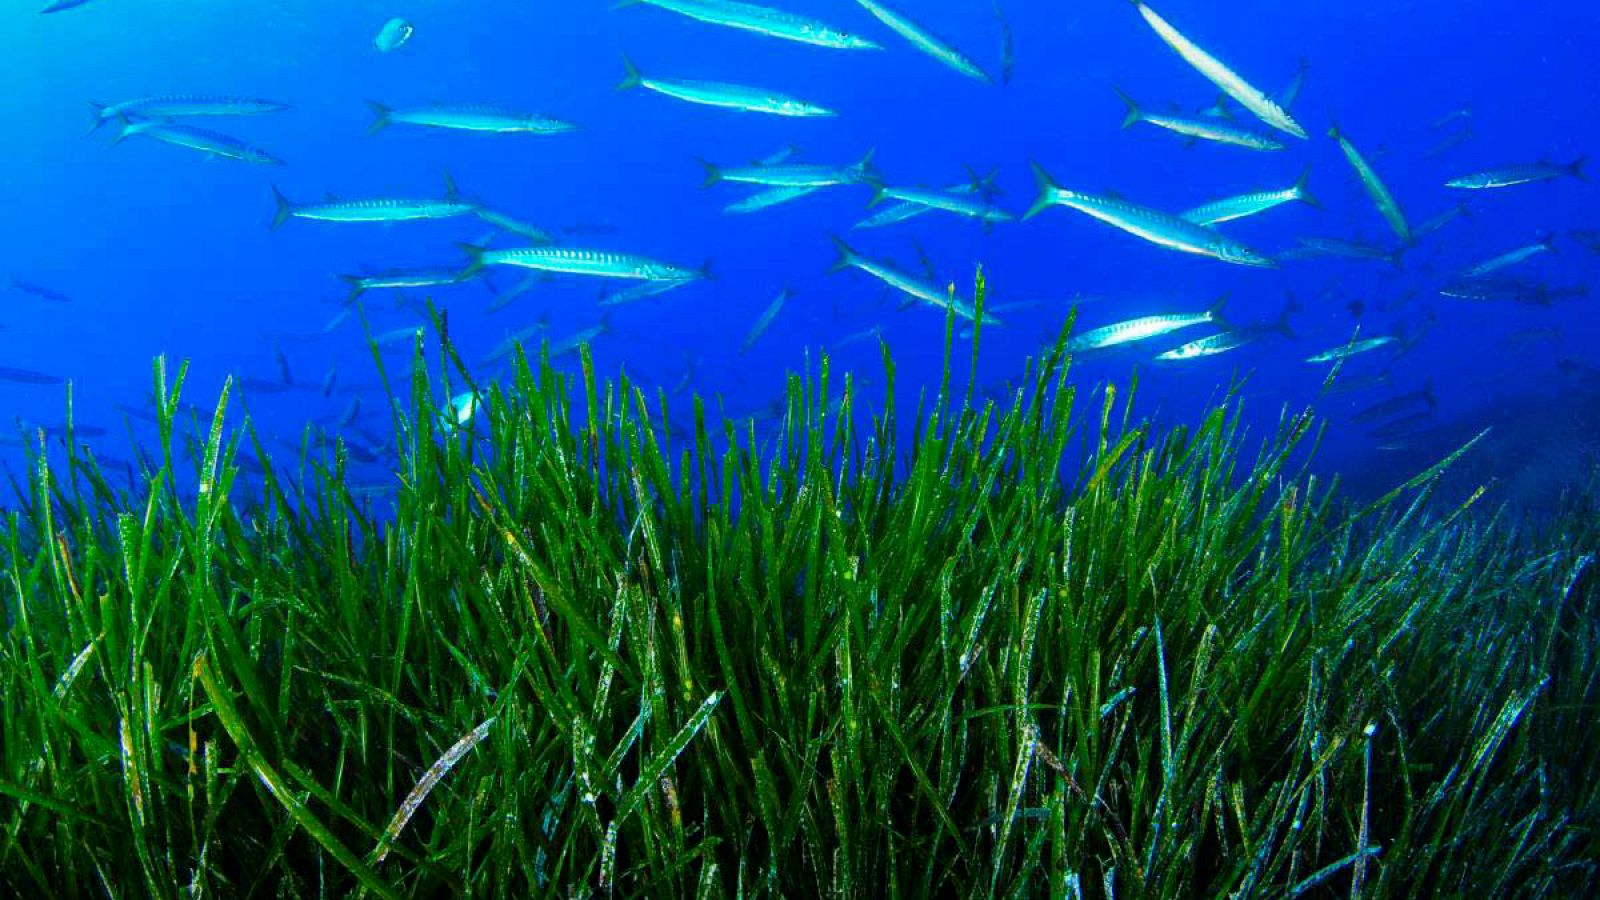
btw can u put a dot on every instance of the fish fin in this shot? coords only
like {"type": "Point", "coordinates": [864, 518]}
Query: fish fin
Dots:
{"type": "Point", "coordinates": [380, 117]}
{"type": "Point", "coordinates": [1575, 168]}
{"type": "Point", "coordinates": [632, 79]}
{"type": "Point", "coordinates": [1214, 313]}
{"type": "Point", "coordinates": [1549, 241]}
{"type": "Point", "coordinates": [1303, 189]}
{"type": "Point", "coordinates": [98, 110]}
{"type": "Point", "coordinates": [356, 287]}
{"type": "Point", "coordinates": [984, 185]}
{"type": "Point", "coordinates": [451, 192]}
{"type": "Point", "coordinates": [1282, 326]}
{"type": "Point", "coordinates": [475, 259]}
{"type": "Point", "coordinates": [1134, 116]}
{"type": "Point", "coordinates": [713, 174]}
{"type": "Point", "coordinates": [706, 272]}
{"type": "Point", "coordinates": [879, 194]}
{"type": "Point", "coordinates": [847, 257]}
{"type": "Point", "coordinates": [283, 212]}
{"type": "Point", "coordinates": [1047, 190]}
{"type": "Point", "coordinates": [865, 167]}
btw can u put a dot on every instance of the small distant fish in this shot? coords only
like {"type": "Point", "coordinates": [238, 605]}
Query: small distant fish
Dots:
{"type": "Point", "coordinates": [1291, 91]}
{"type": "Point", "coordinates": [1231, 208]}
{"type": "Point", "coordinates": [1457, 211]}
{"type": "Point", "coordinates": [262, 385]}
{"type": "Point", "coordinates": [208, 142]}
{"type": "Point", "coordinates": [516, 338]}
{"type": "Point", "coordinates": [505, 298]}
{"type": "Point", "coordinates": [808, 175]}
{"type": "Point", "coordinates": [400, 279]}
{"type": "Point", "coordinates": [1233, 338]}
{"type": "Point", "coordinates": [1326, 246]}
{"type": "Point", "coordinates": [407, 333]}
{"type": "Point", "coordinates": [1527, 337]}
{"type": "Point", "coordinates": [1514, 290]}
{"type": "Point", "coordinates": [533, 234]}
{"type": "Point", "coordinates": [377, 209]}
{"type": "Point", "coordinates": [38, 290]}
{"type": "Point", "coordinates": [724, 95]}
{"type": "Point", "coordinates": [1547, 244]}
{"type": "Point", "coordinates": [1509, 176]}
{"type": "Point", "coordinates": [1397, 405]}
{"type": "Point", "coordinates": [1447, 118]}
{"type": "Point", "coordinates": [177, 106]}
{"type": "Point", "coordinates": [1008, 55]}
{"type": "Point", "coordinates": [573, 341]}
{"type": "Point", "coordinates": [766, 199]}
{"type": "Point", "coordinates": [577, 261]}
{"type": "Point", "coordinates": [761, 20]}
{"type": "Point", "coordinates": [764, 320]}
{"type": "Point", "coordinates": [967, 204]}
{"type": "Point", "coordinates": [1163, 229]}
{"type": "Point", "coordinates": [1376, 189]}
{"type": "Point", "coordinates": [284, 374]}
{"type": "Point", "coordinates": [1355, 348]}
{"type": "Point", "coordinates": [904, 211]}
{"type": "Point", "coordinates": [1589, 239]}
{"type": "Point", "coordinates": [330, 381]}
{"type": "Point", "coordinates": [393, 35]}
{"type": "Point", "coordinates": [917, 288]}
{"type": "Point", "coordinates": [1347, 384]}
{"type": "Point", "coordinates": [643, 290]}
{"type": "Point", "coordinates": [60, 5]}
{"type": "Point", "coordinates": [925, 41]}
{"type": "Point", "coordinates": [1209, 129]}
{"type": "Point", "coordinates": [1405, 426]}
{"type": "Point", "coordinates": [27, 376]}
{"type": "Point", "coordinates": [352, 411]}
{"type": "Point", "coordinates": [1450, 142]}
{"type": "Point", "coordinates": [1243, 93]}
{"type": "Point", "coordinates": [1145, 328]}
{"type": "Point", "coordinates": [472, 117]}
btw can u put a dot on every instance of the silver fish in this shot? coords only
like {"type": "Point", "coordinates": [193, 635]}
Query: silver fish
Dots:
{"type": "Point", "coordinates": [208, 142]}
{"type": "Point", "coordinates": [1155, 226]}
{"type": "Point", "coordinates": [1547, 244]}
{"type": "Point", "coordinates": [1509, 176]}
{"type": "Point", "coordinates": [1144, 328]}
{"type": "Point", "coordinates": [178, 106]}
{"type": "Point", "coordinates": [578, 261]}
{"type": "Point", "coordinates": [724, 95]}
{"type": "Point", "coordinates": [393, 35]}
{"type": "Point", "coordinates": [765, 199]}
{"type": "Point", "coordinates": [492, 119]}
{"type": "Point", "coordinates": [917, 288]}
{"type": "Point", "coordinates": [925, 41]}
{"type": "Point", "coordinates": [1376, 189]}
{"type": "Point", "coordinates": [1209, 129]}
{"type": "Point", "coordinates": [764, 320]}
{"type": "Point", "coordinates": [377, 209]}
{"type": "Point", "coordinates": [761, 20]}
{"type": "Point", "coordinates": [796, 175]}
{"type": "Point", "coordinates": [1231, 208]}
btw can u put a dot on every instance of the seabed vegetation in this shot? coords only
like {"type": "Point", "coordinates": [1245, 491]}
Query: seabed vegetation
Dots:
{"type": "Point", "coordinates": [576, 658]}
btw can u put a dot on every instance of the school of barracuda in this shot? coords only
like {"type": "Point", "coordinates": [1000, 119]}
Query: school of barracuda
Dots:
{"type": "Point", "coordinates": [1245, 117]}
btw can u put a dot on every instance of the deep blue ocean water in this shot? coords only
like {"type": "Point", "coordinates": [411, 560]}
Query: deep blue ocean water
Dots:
{"type": "Point", "coordinates": [164, 251]}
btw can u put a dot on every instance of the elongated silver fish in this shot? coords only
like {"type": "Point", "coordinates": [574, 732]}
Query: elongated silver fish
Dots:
{"type": "Point", "coordinates": [764, 321]}
{"type": "Point", "coordinates": [1547, 244]}
{"type": "Point", "coordinates": [1230, 208]}
{"type": "Point", "coordinates": [762, 20]}
{"type": "Point", "coordinates": [1243, 93]}
{"type": "Point", "coordinates": [1326, 246]}
{"type": "Point", "coordinates": [208, 142]}
{"type": "Point", "coordinates": [399, 279]}
{"type": "Point", "coordinates": [530, 233]}
{"type": "Point", "coordinates": [967, 204]}
{"type": "Point", "coordinates": [1209, 129]}
{"type": "Point", "coordinates": [926, 41]}
{"type": "Point", "coordinates": [1442, 219]}
{"type": "Point", "coordinates": [724, 95]}
{"type": "Point", "coordinates": [61, 5]}
{"type": "Point", "coordinates": [470, 117]}
{"type": "Point", "coordinates": [376, 209]}
{"type": "Point", "coordinates": [917, 288]}
{"type": "Point", "coordinates": [1510, 176]}
{"type": "Point", "coordinates": [1233, 338]}
{"type": "Point", "coordinates": [178, 106]}
{"type": "Point", "coordinates": [794, 175]}
{"type": "Point", "coordinates": [579, 261]}
{"type": "Point", "coordinates": [1376, 189]}
{"type": "Point", "coordinates": [1354, 348]}
{"type": "Point", "coordinates": [1155, 226]}
{"type": "Point", "coordinates": [1144, 328]}
{"type": "Point", "coordinates": [768, 198]}
{"type": "Point", "coordinates": [644, 289]}
{"type": "Point", "coordinates": [903, 211]}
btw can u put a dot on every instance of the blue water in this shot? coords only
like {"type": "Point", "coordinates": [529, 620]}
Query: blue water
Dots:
{"type": "Point", "coordinates": [163, 251]}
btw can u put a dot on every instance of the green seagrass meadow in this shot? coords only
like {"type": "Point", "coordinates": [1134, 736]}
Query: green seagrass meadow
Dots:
{"type": "Point", "coordinates": [576, 658]}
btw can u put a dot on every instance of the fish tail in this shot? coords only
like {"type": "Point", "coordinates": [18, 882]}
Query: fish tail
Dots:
{"type": "Point", "coordinates": [1575, 168]}
{"type": "Point", "coordinates": [380, 117]}
{"type": "Point", "coordinates": [357, 287]}
{"type": "Point", "coordinates": [283, 212]}
{"type": "Point", "coordinates": [474, 259]}
{"type": "Point", "coordinates": [713, 173]}
{"type": "Point", "coordinates": [706, 272]}
{"type": "Point", "coordinates": [846, 258]}
{"type": "Point", "coordinates": [1282, 326]}
{"type": "Point", "coordinates": [1134, 115]}
{"type": "Point", "coordinates": [1214, 313]}
{"type": "Point", "coordinates": [451, 192]}
{"type": "Point", "coordinates": [98, 111]}
{"type": "Point", "coordinates": [868, 173]}
{"type": "Point", "coordinates": [1302, 189]}
{"type": "Point", "coordinates": [632, 79]}
{"type": "Point", "coordinates": [1047, 191]}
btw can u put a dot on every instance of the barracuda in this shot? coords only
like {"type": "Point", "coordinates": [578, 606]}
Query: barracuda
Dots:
{"type": "Point", "coordinates": [1243, 93]}
{"type": "Point", "coordinates": [1376, 189]}
{"type": "Point", "coordinates": [208, 142]}
{"type": "Point", "coordinates": [917, 288]}
{"type": "Point", "coordinates": [1157, 227]}
{"type": "Point", "coordinates": [375, 209]}
{"type": "Point", "coordinates": [762, 20]}
{"type": "Point", "coordinates": [925, 41]}
{"type": "Point", "coordinates": [1510, 176]}
{"type": "Point", "coordinates": [577, 261]}
{"type": "Point", "coordinates": [723, 95]}
{"type": "Point", "coordinates": [1243, 205]}
{"type": "Point", "coordinates": [1215, 130]}
{"type": "Point", "coordinates": [1144, 328]}
{"type": "Point", "coordinates": [473, 117]}
{"type": "Point", "coordinates": [177, 106]}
